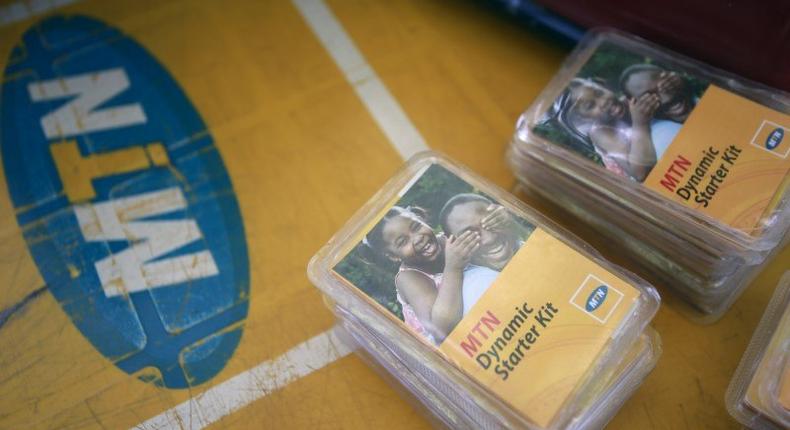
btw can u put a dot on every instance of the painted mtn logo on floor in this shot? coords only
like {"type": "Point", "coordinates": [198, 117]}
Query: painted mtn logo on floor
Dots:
{"type": "Point", "coordinates": [124, 201]}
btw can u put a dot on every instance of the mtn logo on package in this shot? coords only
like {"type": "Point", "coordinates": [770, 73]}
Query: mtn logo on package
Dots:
{"type": "Point", "coordinates": [124, 201]}
{"type": "Point", "coordinates": [773, 138]}
{"type": "Point", "coordinates": [597, 299]}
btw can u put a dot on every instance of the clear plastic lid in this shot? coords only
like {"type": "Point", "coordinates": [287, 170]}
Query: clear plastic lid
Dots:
{"type": "Point", "coordinates": [514, 310]}
{"type": "Point", "coordinates": [705, 276]}
{"type": "Point", "coordinates": [457, 410]}
{"type": "Point", "coordinates": [695, 150]}
{"type": "Point", "coordinates": [759, 393]}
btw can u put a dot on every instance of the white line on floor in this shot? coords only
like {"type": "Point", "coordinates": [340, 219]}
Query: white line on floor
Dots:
{"type": "Point", "coordinates": [233, 394]}
{"type": "Point", "coordinates": [373, 93]}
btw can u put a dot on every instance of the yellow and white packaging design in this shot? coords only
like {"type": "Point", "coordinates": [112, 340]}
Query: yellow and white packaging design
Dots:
{"type": "Point", "coordinates": [454, 410]}
{"type": "Point", "coordinates": [686, 166]}
{"type": "Point", "coordinates": [759, 393]}
{"type": "Point", "coordinates": [488, 294]}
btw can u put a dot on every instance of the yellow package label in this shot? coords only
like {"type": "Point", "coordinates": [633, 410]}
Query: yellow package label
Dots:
{"type": "Point", "coordinates": [517, 309]}
{"type": "Point", "coordinates": [655, 122]}
{"type": "Point", "coordinates": [728, 161]}
{"type": "Point", "coordinates": [769, 389]}
{"type": "Point", "coordinates": [534, 336]}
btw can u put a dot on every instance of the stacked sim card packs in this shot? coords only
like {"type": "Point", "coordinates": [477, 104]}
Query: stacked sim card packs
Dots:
{"type": "Point", "coordinates": [683, 166]}
{"type": "Point", "coordinates": [487, 312]}
{"type": "Point", "coordinates": [759, 394]}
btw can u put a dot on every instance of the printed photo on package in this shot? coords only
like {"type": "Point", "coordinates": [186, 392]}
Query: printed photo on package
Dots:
{"type": "Point", "coordinates": [435, 252]}
{"type": "Point", "coordinates": [622, 110]}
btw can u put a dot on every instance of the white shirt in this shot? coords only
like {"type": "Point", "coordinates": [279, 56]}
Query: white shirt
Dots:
{"type": "Point", "coordinates": [662, 132]}
{"type": "Point", "coordinates": [477, 279]}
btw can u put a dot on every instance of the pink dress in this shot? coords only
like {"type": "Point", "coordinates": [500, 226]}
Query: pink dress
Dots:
{"type": "Point", "coordinates": [409, 316]}
{"type": "Point", "coordinates": [612, 165]}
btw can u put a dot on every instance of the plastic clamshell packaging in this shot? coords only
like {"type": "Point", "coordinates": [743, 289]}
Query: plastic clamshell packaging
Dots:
{"type": "Point", "coordinates": [497, 301]}
{"type": "Point", "coordinates": [759, 393]}
{"type": "Point", "coordinates": [454, 410]}
{"type": "Point", "coordinates": [684, 165]}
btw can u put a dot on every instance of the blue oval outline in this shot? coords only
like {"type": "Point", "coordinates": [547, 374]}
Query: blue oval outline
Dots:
{"type": "Point", "coordinates": [593, 302]}
{"type": "Point", "coordinates": [774, 138]}
{"type": "Point", "coordinates": [140, 331]}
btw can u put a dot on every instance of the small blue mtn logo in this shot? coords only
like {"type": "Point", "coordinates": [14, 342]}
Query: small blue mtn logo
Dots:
{"type": "Point", "coordinates": [774, 138]}
{"type": "Point", "coordinates": [596, 298]}
{"type": "Point", "coordinates": [770, 137]}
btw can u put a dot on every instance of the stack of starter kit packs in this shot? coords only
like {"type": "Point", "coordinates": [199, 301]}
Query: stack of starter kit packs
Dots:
{"type": "Point", "coordinates": [492, 316]}
{"type": "Point", "coordinates": [759, 394]}
{"type": "Point", "coordinates": [682, 165]}
{"type": "Point", "coordinates": [488, 313]}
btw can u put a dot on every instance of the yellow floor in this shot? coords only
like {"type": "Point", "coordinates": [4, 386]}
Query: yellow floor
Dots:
{"type": "Point", "coordinates": [303, 154]}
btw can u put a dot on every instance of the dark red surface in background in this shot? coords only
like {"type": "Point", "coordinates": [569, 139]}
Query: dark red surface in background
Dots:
{"type": "Point", "coordinates": [749, 38]}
